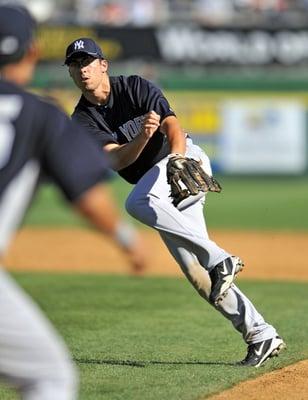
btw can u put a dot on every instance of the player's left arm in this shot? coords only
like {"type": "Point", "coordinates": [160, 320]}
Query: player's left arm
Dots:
{"type": "Point", "coordinates": [171, 127]}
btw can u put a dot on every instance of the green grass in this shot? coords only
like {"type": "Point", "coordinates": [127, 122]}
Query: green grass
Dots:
{"type": "Point", "coordinates": [260, 203]}
{"type": "Point", "coordinates": [245, 203]}
{"type": "Point", "coordinates": [155, 338]}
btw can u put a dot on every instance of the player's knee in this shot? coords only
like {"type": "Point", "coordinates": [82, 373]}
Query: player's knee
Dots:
{"type": "Point", "coordinates": [61, 367]}
{"type": "Point", "coordinates": [51, 384]}
{"type": "Point", "coordinates": [51, 370]}
{"type": "Point", "coordinates": [141, 209]}
{"type": "Point", "coordinates": [68, 376]}
{"type": "Point", "coordinates": [50, 390]}
{"type": "Point", "coordinates": [136, 206]}
{"type": "Point", "coordinates": [130, 206]}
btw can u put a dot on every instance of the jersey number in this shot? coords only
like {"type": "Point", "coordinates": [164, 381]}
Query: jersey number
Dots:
{"type": "Point", "coordinates": [10, 107]}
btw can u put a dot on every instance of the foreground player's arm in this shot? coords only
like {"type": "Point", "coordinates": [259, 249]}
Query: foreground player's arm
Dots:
{"type": "Point", "coordinates": [97, 205]}
{"type": "Point", "coordinates": [170, 126]}
{"type": "Point", "coordinates": [125, 154]}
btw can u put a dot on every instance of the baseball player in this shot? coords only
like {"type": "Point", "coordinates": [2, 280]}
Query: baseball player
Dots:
{"type": "Point", "coordinates": [36, 137]}
{"type": "Point", "coordinates": [131, 120]}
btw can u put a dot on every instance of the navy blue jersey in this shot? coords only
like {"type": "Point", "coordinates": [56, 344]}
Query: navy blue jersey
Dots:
{"type": "Point", "coordinates": [119, 120]}
{"type": "Point", "coordinates": [35, 136]}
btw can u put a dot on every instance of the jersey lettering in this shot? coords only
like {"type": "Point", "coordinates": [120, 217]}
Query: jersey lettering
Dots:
{"type": "Point", "coordinates": [10, 107]}
{"type": "Point", "coordinates": [132, 128]}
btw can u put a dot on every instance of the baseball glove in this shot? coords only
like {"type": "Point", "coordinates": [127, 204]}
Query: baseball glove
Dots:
{"type": "Point", "coordinates": [187, 178]}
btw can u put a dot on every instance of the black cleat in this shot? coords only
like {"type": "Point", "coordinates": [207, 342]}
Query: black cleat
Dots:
{"type": "Point", "coordinates": [222, 277]}
{"type": "Point", "coordinates": [258, 353]}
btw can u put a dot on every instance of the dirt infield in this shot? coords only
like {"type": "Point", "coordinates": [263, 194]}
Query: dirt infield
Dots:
{"type": "Point", "coordinates": [285, 384]}
{"type": "Point", "coordinates": [267, 255]}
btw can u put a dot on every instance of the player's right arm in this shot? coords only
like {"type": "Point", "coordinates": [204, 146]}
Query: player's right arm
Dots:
{"type": "Point", "coordinates": [125, 154]}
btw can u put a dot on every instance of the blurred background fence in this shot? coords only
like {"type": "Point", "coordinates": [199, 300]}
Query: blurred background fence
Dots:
{"type": "Point", "coordinates": [235, 71]}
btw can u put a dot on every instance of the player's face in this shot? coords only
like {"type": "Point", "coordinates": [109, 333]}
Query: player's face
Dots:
{"type": "Point", "coordinates": [87, 72]}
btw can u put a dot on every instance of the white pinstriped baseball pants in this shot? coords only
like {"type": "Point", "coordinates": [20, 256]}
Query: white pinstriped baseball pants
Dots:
{"type": "Point", "coordinates": [185, 234]}
{"type": "Point", "coordinates": [33, 358]}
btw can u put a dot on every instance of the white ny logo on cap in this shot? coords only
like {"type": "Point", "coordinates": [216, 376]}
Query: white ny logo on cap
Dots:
{"type": "Point", "coordinates": [79, 44]}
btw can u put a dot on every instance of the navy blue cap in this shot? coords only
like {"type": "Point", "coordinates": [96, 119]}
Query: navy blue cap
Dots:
{"type": "Point", "coordinates": [17, 28]}
{"type": "Point", "coordinates": [82, 46]}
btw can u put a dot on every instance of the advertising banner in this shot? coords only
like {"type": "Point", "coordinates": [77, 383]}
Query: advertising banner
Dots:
{"type": "Point", "coordinates": [263, 136]}
{"type": "Point", "coordinates": [184, 44]}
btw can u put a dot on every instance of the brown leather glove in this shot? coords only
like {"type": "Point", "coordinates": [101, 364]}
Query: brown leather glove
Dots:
{"type": "Point", "coordinates": [187, 178]}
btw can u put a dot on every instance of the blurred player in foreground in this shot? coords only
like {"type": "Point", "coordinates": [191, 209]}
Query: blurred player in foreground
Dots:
{"type": "Point", "coordinates": [131, 120]}
{"type": "Point", "coordinates": [36, 136]}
